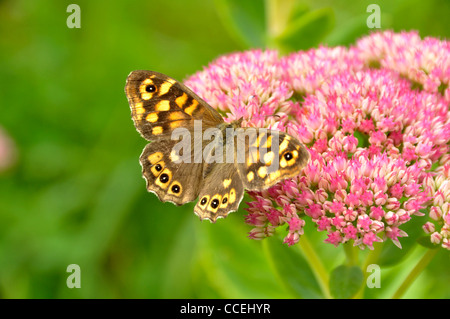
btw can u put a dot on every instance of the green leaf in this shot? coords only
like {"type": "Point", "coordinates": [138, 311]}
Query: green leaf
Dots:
{"type": "Point", "coordinates": [292, 269]}
{"type": "Point", "coordinates": [307, 30]}
{"type": "Point", "coordinates": [244, 20]}
{"type": "Point", "coordinates": [345, 281]}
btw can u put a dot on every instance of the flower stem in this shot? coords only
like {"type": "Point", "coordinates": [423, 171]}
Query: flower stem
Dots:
{"type": "Point", "coordinates": [371, 258]}
{"type": "Point", "coordinates": [316, 265]}
{"type": "Point", "coordinates": [415, 272]}
{"type": "Point", "coordinates": [351, 254]}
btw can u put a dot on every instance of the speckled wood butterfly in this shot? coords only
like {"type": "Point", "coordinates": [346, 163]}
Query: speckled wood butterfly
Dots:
{"type": "Point", "coordinates": [160, 106]}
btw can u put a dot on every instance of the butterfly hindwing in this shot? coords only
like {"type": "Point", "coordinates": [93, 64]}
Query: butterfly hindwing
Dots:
{"type": "Point", "coordinates": [178, 183]}
{"type": "Point", "coordinates": [221, 192]}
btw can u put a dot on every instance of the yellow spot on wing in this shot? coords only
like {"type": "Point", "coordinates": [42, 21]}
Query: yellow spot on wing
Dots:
{"type": "Point", "coordinates": [146, 96]}
{"type": "Point", "coordinates": [250, 176]}
{"type": "Point", "coordinates": [253, 157]}
{"type": "Point", "coordinates": [268, 158]}
{"type": "Point", "coordinates": [262, 171]}
{"type": "Point", "coordinates": [284, 145]}
{"type": "Point", "coordinates": [283, 162]}
{"type": "Point", "coordinates": [174, 156]}
{"type": "Point", "coordinates": [175, 124]}
{"type": "Point", "coordinates": [164, 88]}
{"type": "Point", "coordinates": [226, 182]}
{"type": "Point", "coordinates": [273, 176]}
{"type": "Point", "coordinates": [155, 157]}
{"type": "Point", "coordinates": [258, 139]}
{"type": "Point", "coordinates": [190, 109]}
{"type": "Point", "coordinates": [181, 100]}
{"type": "Point", "coordinates": [152, 117]}
{"type": "Point", "coordinates": [232, 195]}
{"type": "Point", "coordinates": [164, 105]}
{"type": "Point", "coordinates": [139, 110]}
{"type": "Point", "coordinates": [175, 116]}
{"type": "Point", "coordinates": [157, 130]}
{"type": "Point", "coordinates": [268, 142]}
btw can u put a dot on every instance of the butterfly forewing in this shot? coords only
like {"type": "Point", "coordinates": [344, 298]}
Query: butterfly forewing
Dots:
{"type": "Point", "coordinates": [270, 156]}
{"type": "Point", "coordinates": [159, 104]}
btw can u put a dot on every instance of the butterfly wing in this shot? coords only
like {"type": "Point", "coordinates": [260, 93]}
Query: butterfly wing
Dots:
{"type": "Point", "coordinates": [170, 179]}
{"type": "Point", "coordinates": [270, 157]}
{"type": "Point", "coordinates": [159, 104]}
{"type": "Point", "coordinates": [221, 192]}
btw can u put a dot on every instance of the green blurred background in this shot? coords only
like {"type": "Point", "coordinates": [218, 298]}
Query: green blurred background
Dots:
{"type": "Point", "coordinates": [75, 194]}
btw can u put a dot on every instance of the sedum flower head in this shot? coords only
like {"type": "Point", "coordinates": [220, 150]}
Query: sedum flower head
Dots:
{"type": "Point", "coordinates": [375, 120]}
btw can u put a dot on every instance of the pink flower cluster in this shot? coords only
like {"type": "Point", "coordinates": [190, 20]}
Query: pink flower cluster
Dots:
{"type": "Point", "coordinates": [375, 119]}
{"type": "Point", "coordinates": [425, 63]}
{"type": "Point", "coordinates": [438, 187]}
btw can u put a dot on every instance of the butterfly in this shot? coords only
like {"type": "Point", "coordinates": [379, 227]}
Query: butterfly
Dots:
{"type": "Point", "coordinates": [255, 158]}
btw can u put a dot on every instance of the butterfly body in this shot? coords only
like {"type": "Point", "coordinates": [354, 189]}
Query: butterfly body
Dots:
{"type": "Point", "coordinates": [193, 153]}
